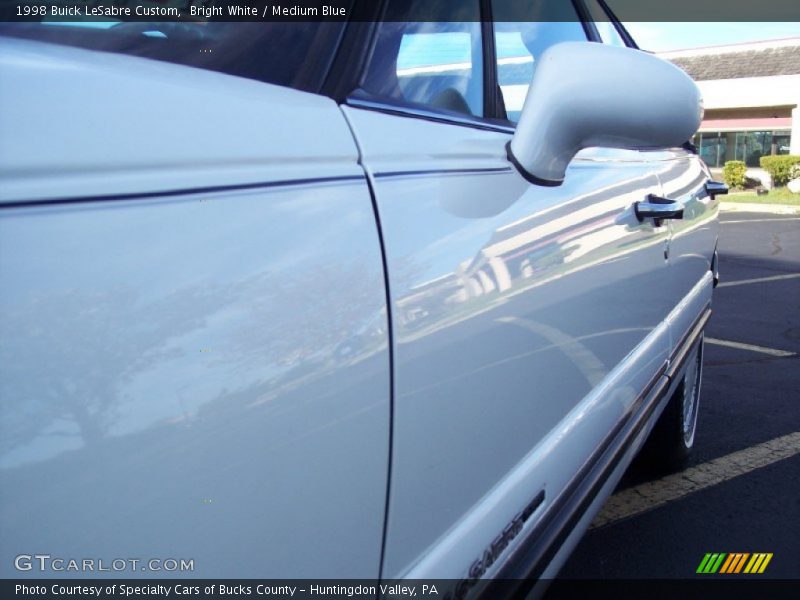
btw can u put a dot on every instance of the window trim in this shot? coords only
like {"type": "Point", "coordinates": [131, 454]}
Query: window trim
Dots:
{"type": "Point", "coordinates": [353, 69]}
{"type": "Point", "coordinates": [361, 99]}
{"type": "Point", "coordinates": [626, 37]}
{"type": "Point", "coordinates": [592, 34]}
{"type": "Point", "coordinates": [490, 105]}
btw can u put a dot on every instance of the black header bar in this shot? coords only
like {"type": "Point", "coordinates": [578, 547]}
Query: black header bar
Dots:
{"type": "Point", "coordinates": [410, 10]}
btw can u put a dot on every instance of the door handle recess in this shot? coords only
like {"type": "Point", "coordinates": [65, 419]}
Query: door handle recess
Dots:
{"type": "Point", "coordinates": [658, 208]}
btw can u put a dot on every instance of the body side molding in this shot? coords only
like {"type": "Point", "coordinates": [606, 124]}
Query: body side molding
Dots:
{"type": "Point", "coordinates": [538, 547]}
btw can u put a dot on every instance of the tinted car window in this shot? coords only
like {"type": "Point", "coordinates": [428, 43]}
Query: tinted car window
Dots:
{"type": "Point", "coordinates": [435, 64]}
{"type": "Point", "coordinates": [285, 53]}
{"type": "Point", "coordinates": [519, 45]}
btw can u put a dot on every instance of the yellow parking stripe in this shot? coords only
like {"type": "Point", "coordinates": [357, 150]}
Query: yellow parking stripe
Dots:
{"type": "Point", "coordinates": [759, 280]}
{"type": "Point", "coordinates": [653, 494]}
{"type": "Point", "coordinates": [750, 347]}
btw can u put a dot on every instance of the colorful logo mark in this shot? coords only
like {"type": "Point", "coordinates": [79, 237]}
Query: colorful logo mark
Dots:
{"type": "Point", "coordinates": [735, 562]}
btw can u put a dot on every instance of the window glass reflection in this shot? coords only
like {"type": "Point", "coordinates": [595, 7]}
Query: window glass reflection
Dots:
{"type": "Point", "coordinates": [716, 148]}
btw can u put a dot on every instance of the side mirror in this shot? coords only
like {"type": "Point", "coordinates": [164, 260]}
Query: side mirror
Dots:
{"type": "Point", "coordinates": [587, 94]}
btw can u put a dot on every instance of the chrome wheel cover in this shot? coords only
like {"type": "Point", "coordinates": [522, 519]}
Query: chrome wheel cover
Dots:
{"type": "Point", "coordinates": [691, 395]}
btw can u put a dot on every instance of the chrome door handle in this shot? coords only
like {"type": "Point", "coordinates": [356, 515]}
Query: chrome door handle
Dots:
{"type": "Point", "coordinates": [658, 208]}
{"type": "Point", "coordinates": [716, 188]}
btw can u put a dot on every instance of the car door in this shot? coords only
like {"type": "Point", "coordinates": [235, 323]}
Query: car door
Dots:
{"type": "Point", "coordinates": [683, 178]}
{"type": "Point", "coordinates": [193, 342]}
{"type": "Point", "coordinates": [526, 320]}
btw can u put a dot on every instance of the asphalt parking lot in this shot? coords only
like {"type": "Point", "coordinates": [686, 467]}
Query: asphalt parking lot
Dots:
{"type": "Point", "coordinates": [741, 492]}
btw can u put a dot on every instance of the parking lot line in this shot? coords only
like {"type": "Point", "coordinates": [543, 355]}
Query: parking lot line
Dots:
{"type": "Point", "coordinates": [724, 222]}
{"type": "Point", "coordinates": [759, 280]}
{"type": "Point", "coordinates": [647, 496]}
{"type": "Point", "coordinates": [750, 347]}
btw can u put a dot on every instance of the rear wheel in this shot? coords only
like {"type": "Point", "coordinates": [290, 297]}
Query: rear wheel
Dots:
{"type": "Point", "coordinates": [672, 439]}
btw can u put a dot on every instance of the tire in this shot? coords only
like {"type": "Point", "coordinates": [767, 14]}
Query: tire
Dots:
{"type": "Point", "coordinates": [670, 443]}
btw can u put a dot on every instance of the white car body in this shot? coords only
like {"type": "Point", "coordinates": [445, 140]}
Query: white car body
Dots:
{"type": "Point", "coordinates": [183, 251]}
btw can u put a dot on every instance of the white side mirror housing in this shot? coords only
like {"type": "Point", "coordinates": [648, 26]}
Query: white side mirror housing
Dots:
{"type": "Point", "coordinates": [586, 94]}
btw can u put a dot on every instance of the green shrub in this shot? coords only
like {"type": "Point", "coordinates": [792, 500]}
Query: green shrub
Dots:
{"type": "Point", "coordinates": [779, 167]}
{"type": "Point", "coordinates": [733, 173]}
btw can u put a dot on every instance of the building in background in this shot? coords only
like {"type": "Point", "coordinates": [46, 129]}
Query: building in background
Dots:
{"type": "Point", "coordinates": [751, 94]}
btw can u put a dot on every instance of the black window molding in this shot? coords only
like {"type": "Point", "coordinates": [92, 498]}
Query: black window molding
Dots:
{"type": "Point", "coordinates": [586, 20]}
{"type": "Point", "coordinates": [361, 99]}
{"type": "Point", "coordinates": [627, 38]}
